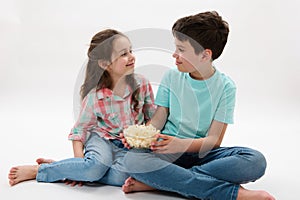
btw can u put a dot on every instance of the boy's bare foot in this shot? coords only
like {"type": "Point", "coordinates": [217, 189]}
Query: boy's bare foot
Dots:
{"type": "Point", "coordinates": [22, 173]}
{"type": "Point", "coordinates": [132, 185]}
{"type": "Point", "coordinates": [44, 160]}
{"type": "Point", "coordinates": [244, 194]}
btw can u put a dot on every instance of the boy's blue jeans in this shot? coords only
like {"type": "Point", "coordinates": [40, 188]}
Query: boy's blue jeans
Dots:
{"type": "Point", "coordinates": [102, 162]}
{"type": "Point", "coordinates": [216, 176]}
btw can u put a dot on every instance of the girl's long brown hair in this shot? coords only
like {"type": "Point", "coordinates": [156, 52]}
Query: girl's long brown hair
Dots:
{"type": "Point", "coordinates": [101, 48]}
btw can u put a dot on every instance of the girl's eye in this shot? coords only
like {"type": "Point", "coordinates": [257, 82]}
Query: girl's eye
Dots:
{"type": "Point", "coordinates": [180, 50]}
{"type": "Point", "coordinates": [126, 53]}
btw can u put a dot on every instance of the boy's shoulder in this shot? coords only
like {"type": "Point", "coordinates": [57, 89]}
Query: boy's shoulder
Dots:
{"type": "Point", "coordinates": [227, 81]}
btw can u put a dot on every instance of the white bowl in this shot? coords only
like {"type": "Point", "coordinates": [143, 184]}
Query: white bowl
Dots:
{"type": "Point", "coordinates": [140, 136]}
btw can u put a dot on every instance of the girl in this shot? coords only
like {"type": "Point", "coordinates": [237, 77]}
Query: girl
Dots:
{"type": "Point", "coordinates": [113, 97]}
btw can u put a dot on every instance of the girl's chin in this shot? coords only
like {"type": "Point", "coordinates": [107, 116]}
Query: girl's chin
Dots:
{"type": "Point", "coordinates": [131, 71]}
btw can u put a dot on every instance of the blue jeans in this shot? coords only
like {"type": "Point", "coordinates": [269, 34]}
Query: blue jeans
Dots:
{"type": "Point", "coordinates": [102, 163]}
{"type": "Point", "coordinates": [216, 176]}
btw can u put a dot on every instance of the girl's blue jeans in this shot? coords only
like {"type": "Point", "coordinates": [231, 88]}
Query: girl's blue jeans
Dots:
{"type": "Point", "coordinates": [216, 176]}
{"type": "Point", "coordinates": [102, 162]}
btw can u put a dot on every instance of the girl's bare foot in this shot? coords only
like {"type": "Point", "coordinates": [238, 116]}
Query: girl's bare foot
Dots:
{"type": "Point", "coordinates": [22, 173]}
{"type": "Point", "coordinates": [253, 194]}
{"type": "Point", "coordinates": [44, 160]}
{"type": "Point", "coordinates": [132, 185]}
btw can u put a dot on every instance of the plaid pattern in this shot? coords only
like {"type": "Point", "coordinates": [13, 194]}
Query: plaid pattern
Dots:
{"type": "Point", "coordinates": [107, 114]}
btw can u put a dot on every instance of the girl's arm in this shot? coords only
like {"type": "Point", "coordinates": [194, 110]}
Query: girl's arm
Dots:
{"type": "Point", "coordinates": [77, 149]}
{"type": "Point", "coordinates": [170, 144]}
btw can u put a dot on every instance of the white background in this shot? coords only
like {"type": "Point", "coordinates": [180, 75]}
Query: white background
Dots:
{"type": "Point", "coordinates": [43, 46]}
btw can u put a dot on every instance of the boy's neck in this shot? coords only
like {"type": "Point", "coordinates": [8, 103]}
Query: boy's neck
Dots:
{"type": "Point", "coordinates": [203, 74]}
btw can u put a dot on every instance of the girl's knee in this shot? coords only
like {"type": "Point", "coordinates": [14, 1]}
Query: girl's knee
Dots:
{"type": "Point", "coordinates": [94, 168]}
{"type": "Point", "coordinates": [95, 171]}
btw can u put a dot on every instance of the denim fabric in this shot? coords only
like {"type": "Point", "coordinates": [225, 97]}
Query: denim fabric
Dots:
{"type": "Point", "coordinates": [216, 176]}
{"type": "Point", "coordinates": [102, 162]}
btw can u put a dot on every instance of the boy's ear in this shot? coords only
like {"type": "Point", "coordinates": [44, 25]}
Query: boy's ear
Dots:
{"type": "Point", "coordinates": [103, 63]}
{"type": "Point", "coordinates": [207, 54]}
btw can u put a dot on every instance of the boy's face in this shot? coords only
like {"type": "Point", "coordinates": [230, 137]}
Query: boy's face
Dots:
{"type": "Point", "coordinates": [186, 59]}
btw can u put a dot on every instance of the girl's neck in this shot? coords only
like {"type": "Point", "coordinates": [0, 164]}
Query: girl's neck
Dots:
{"type": "Point", "coordinates": [119, 86]}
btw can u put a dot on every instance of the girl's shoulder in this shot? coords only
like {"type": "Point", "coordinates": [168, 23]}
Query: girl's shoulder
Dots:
{"type": "Point", "coordinates": [141, 79]}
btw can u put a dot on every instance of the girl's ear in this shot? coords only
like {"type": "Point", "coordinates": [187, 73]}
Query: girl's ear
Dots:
{"type": "Point", "coordinates": [103, 63]}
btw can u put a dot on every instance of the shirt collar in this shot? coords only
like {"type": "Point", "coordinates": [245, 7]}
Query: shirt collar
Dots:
{"type": "Point", "coordinates": [107, 93]}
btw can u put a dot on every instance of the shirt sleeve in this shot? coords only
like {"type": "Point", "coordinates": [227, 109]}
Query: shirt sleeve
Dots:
{"type": "Point", "coordinates": [87, 119]}
{"type": "Point", "coordinates": [225, 108]}
{"type": "Point", "coordinates": [163, 92]}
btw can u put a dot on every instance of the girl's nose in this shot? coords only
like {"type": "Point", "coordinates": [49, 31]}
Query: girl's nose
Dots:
{"type": "Point", "coordinates": [131, 56]}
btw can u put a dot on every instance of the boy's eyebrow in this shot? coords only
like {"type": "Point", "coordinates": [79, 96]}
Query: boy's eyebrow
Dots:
{"type": "Point", "coordinates": [178, 45]}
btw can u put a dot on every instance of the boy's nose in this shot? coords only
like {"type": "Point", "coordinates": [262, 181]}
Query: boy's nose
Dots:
{"type": "Point", "coordinates": [175, 55]}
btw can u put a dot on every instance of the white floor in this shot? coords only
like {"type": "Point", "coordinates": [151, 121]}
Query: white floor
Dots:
{"type": "Point", "coordinates": [31, 130]}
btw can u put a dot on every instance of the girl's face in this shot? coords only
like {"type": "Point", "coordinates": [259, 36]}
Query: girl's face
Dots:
{"type": "Point", "coordinates": [186, 59]}
{"type": "Point", "coordinates": [122, 59]}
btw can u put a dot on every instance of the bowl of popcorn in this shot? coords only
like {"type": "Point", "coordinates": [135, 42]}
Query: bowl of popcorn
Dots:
{"type": "Point", "coordinates": [140, 136]}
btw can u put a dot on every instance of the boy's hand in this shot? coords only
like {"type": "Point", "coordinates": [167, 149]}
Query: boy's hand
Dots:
{"type": "Point", "coordinates": [168, 144]}
{"type": "Point", "coordinates": [123, 139]}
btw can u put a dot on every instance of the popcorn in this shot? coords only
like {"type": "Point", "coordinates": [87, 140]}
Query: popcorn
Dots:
{"type": "Point", "coordinates": [140, 136]}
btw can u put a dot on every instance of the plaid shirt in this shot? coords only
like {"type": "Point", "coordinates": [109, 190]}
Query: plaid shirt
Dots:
{"type": "Point", "coordinates": [107, 114]}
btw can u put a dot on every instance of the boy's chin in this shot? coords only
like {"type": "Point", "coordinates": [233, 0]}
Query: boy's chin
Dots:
{"type": "Point", "coordinates": [181, 68]}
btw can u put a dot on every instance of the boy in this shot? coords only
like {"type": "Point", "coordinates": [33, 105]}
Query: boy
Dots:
{"type": "Point", "coordinates": [195, 104]}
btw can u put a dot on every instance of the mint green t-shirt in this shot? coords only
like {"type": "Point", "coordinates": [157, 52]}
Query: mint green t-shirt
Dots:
{"type": "Point", "coordinates": [194, 104]}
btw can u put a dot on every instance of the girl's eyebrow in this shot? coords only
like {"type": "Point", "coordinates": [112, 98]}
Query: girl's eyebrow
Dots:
{"type": "Point", "coordinates": [125, 49]}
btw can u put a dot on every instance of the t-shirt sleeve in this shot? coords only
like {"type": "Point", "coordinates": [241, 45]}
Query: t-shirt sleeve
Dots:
{"type": "Point", "coordinates": [163, 92]}
{"type": "Point", "coordinates": [225, 108]}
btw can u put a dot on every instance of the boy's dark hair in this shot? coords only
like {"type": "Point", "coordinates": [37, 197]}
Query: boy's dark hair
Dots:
{"type": "Point", "coordinates": [205, 30]}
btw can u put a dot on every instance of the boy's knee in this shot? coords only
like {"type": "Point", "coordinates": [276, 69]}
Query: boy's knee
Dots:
{"type": "Point", "coordinates": [260, 163]}
{"type": "Point", "coordinates": [257, 161]}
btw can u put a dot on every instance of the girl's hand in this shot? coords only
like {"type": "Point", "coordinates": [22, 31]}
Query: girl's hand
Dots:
{"type": "Point", "coordinates": [73, 183]}
{"type": "Point", "coordinates": [169, 144]}
{"type": "Point", "coordinates": [123, 139]}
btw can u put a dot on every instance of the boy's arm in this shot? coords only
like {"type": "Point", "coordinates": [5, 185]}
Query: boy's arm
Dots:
{"type": "Point", "coordinates": [171, 144]}
{"type": "Point", "coordinates": [213, 139]}
{"type": "Point", "coordinates": [159, 117]}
